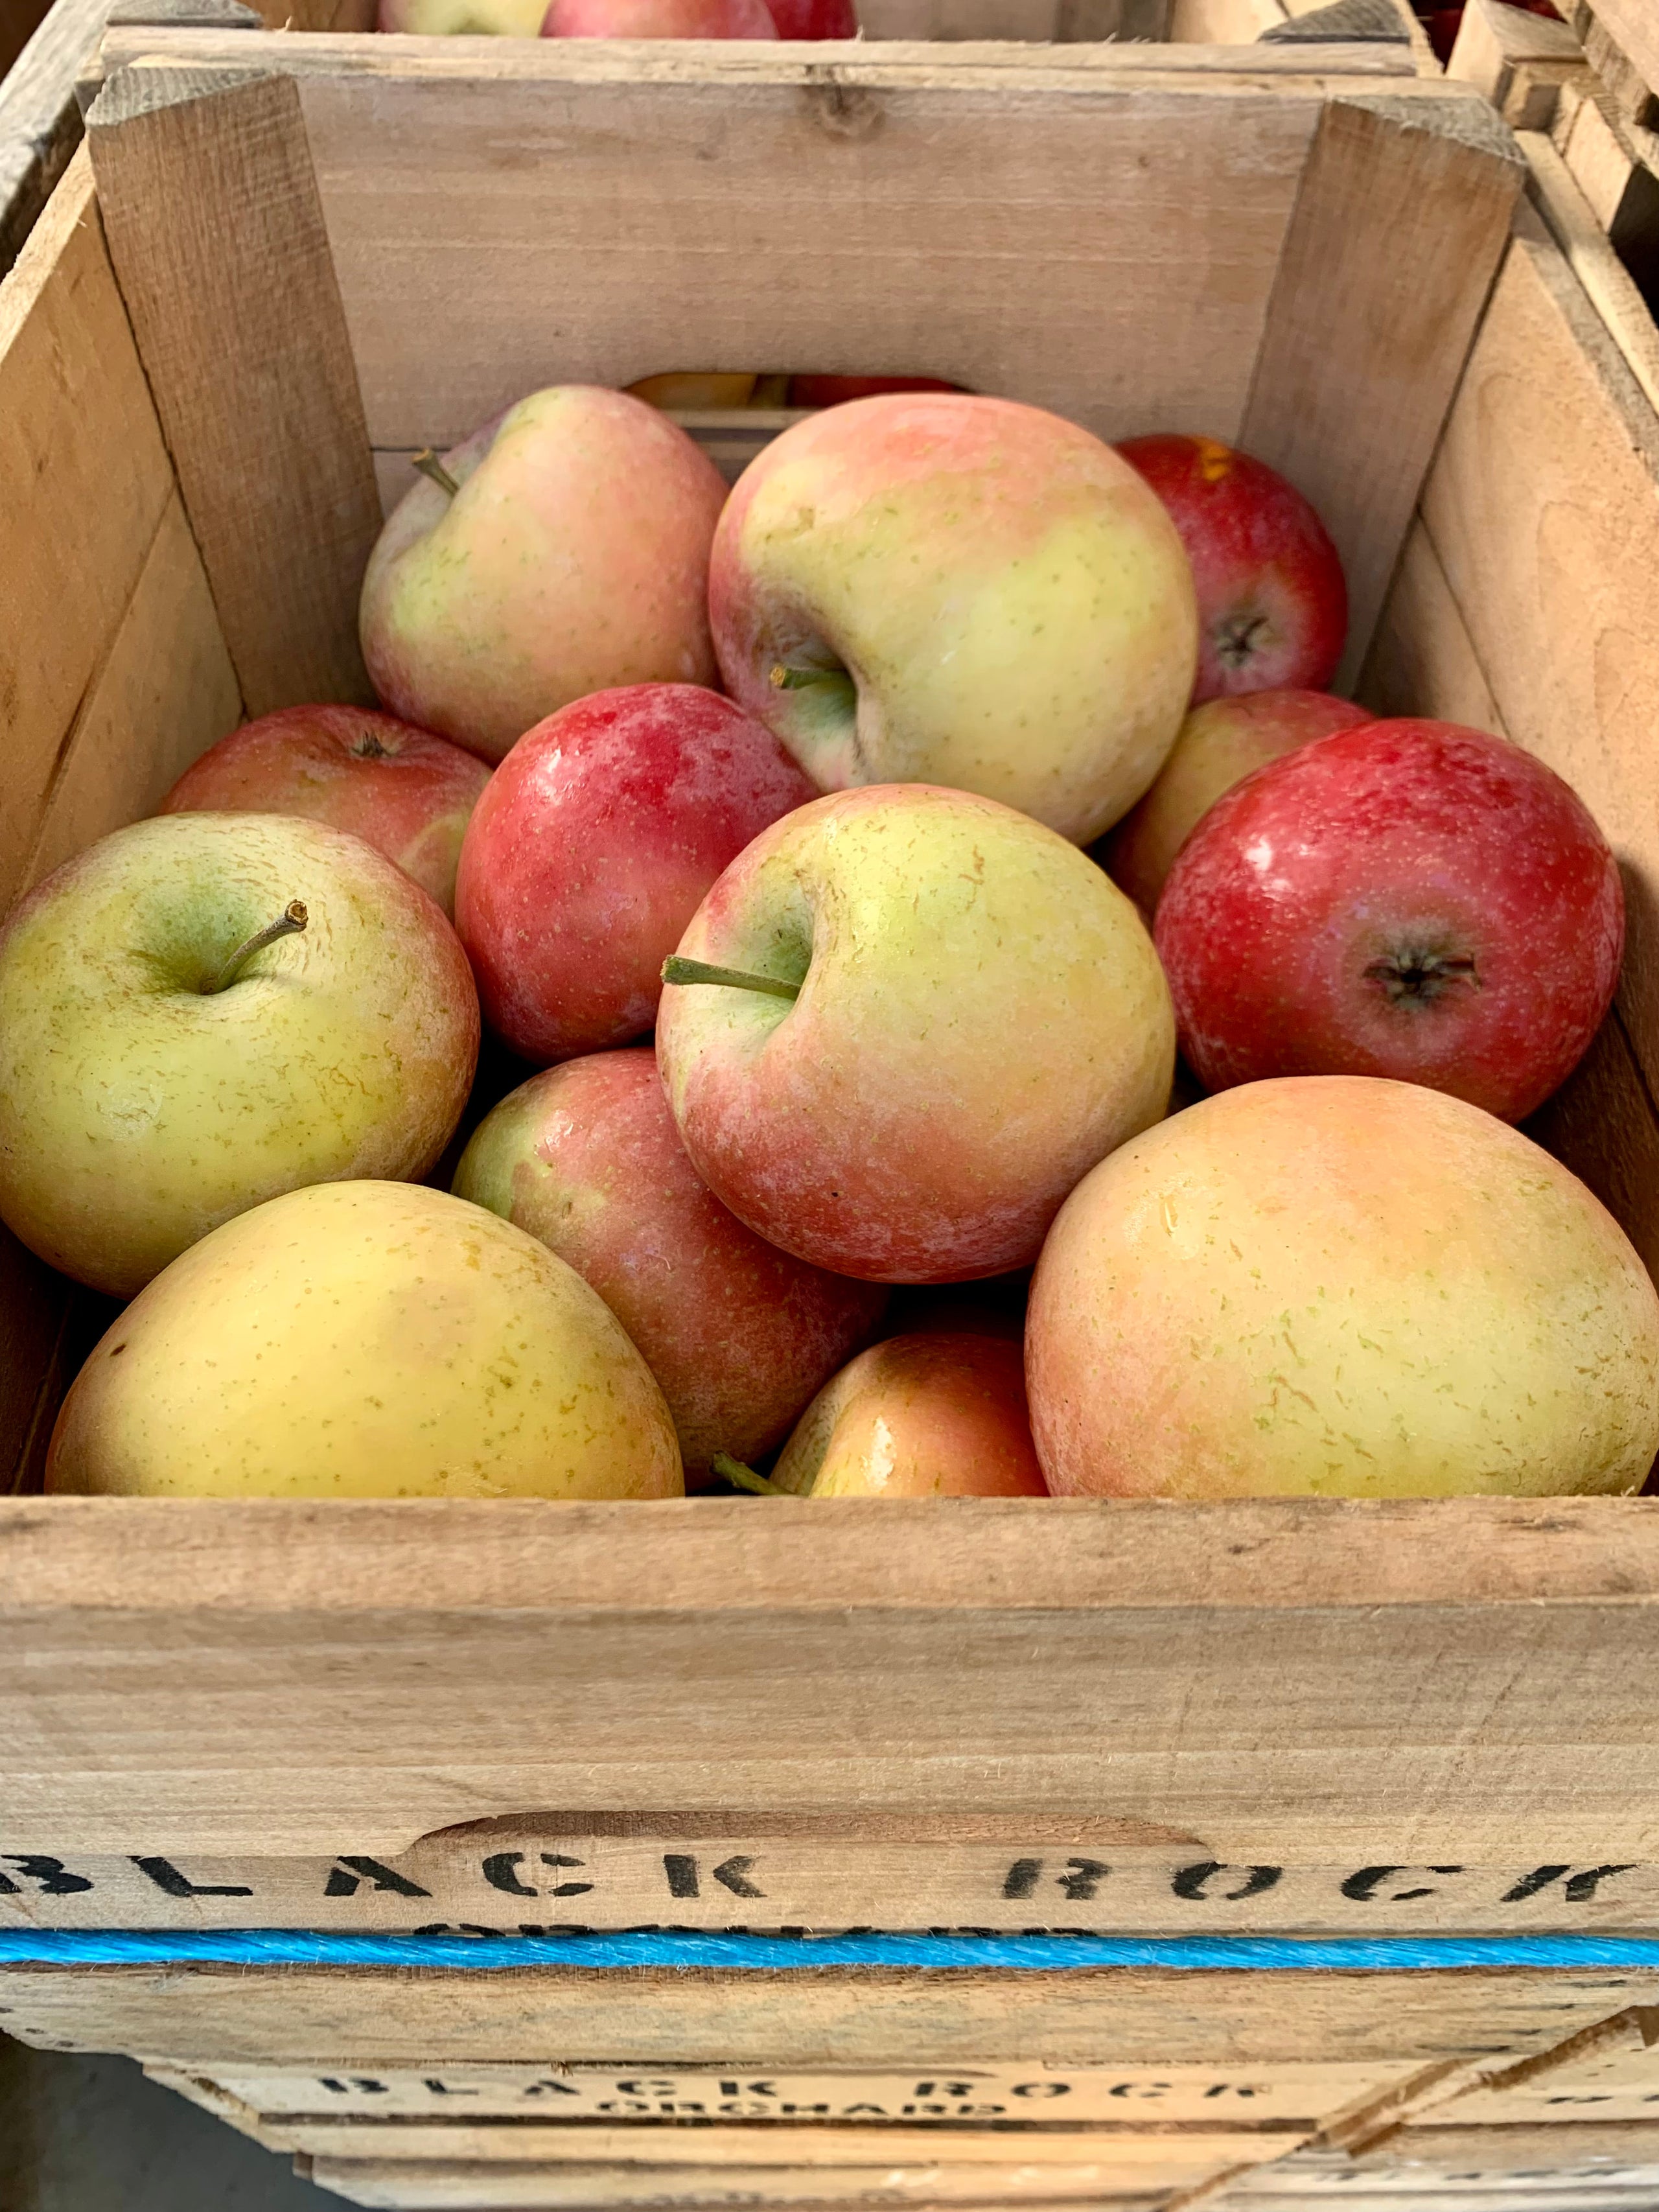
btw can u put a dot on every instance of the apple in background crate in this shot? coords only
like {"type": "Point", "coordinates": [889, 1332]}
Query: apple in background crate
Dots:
{"type": "Point", "coordinates": [402, 790]}
{"type": "Point", "coordinates": [204, 1010]}
{"type": "Point", "coordinates": [570, 557]}
{"type": "Point", "coordinates": [952, 1015]}
{"type": "Point", "coordinates": [587, 1158]}
{"type": "Point", "coordinates": [436, 19]}
{"type": "Point", "coordinates": [659, 19]}
{"type": "Point", "coordinates": [936, 588]}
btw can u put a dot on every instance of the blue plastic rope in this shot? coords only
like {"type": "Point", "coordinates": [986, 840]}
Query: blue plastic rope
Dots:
{"type": "Point", "coordinates": [688, 1951]}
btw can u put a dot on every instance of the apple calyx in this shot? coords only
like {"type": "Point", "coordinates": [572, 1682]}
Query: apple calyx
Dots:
{"type": "Point", "coordinates": [368, 747]}
{"type": "Point", "coordinates": [1238, 639]}
{"type": "Point", "coordinates": [1416, 977]}
{"type": "Point", "coordinates": [430, 466]}
{"type": "Point", "coordinates": [289, 923]}
{"type": "Point", "coordinates": [675, 970]}
{"type": "Point", "coordinates": [744, 1478]}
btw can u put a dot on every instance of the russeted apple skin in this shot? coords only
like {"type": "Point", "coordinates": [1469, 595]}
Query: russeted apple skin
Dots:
{"type": "Point", "coordinates": [1345, 1287]}
{"type": "Point", "coordinates": [1298, 922]}
{"type": "Point", "coordinates": [937, 1413]}
{"type": "Point", "coordinates": [400, 789]}
{"type": "Point", "coordinates": [659, 19]}
{"type": "Point", "coordinates": [366, 1340]}
{"type": "Point", "coordinates": [981, 1017]}
{"type": "Point", "coordinates": [1010, 601]}
{"type": "Point", "coordinates": [1220, 743]}
{"type": "Point", "coordinates": [587, 1158]}
{"type": "Point", "coordinates": [1272, 601]}
{"type": "Point", "coordinates": [139, 1109]}
{"type": "Point", "coordinates": [574, 558]}
{"type": "Point", "coordinates": [600, 834]}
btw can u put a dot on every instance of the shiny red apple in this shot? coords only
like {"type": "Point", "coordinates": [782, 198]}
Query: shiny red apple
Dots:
{"type": "Point", "coordinates": [814, 19]}
{"type": "Point", "coordinates": [593, 848]}
{"type": "Point", "coordinates": [1272, 603]}
{"type": "Point", "coordinates": [400, 789]}
{"type": "Point", "coordinates": [1410, 899]}
{"type": "Point", "coordinates": [837, 391]}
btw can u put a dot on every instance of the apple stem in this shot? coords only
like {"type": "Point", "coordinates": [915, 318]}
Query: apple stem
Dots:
{"type": "Point", "coordinates": [677, 970]}
{"type": "Point", "coordinates": [801, 679]}
{"type": "Point", "coordinates": [430, 466]}
{"type": "Point", "coordinates": [289, 923]}
{"type": "Point", "coordinates": [744, 1478]}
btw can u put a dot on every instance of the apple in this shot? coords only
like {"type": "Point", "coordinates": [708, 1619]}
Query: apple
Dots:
{"type": "Point", "coordinates": [1272, 603]}
{"type": "Point", "coordinates": [937, 1414]}
{"type": "Point", "coordinates": [659, 19]}
{"type": "Point", "coordinates": [1220, 743]}
{"type": "Point", "coordinates": [837, 391]}
{"type": "Point", "coordinates": [565, 551]}
{"type": "Point", "coordinates": [402, 790]}
{"type": "Point", "coordinates": [366, 1340]}
{"type": "Point", "coordinates": [587, 1158]}
{"type": "Point", "coordinates": [814, 19]}
{"type": "Point", "coordinates": [1345, 1287]}
{"type": "Point", "coordinates": [436, 19]}
{"type": "Point", "coordinates": [905, 1022]}
{"type": "Point", "coordinates": [938, 588]}
{"type": "Point", "coordinates": [599, 837]}
{"type": "Point", "coordinates": [1408, 899]}
{"type": "Point", "coordinates": [695, 389]}
{"type": "Point", "coordinates": [204, 1010]}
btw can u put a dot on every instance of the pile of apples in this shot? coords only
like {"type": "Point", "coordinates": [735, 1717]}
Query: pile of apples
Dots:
{"type": "Point", "coordinates": [811, 780]}
{"type": "Point", "coordinates": [622, 19]}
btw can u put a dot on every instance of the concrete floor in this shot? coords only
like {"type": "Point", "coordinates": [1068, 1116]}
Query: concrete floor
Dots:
{"type": "Point", "coordinates": [91, 2134]}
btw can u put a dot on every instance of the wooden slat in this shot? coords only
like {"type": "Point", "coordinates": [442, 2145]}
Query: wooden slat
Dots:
{"type": "Point", "coordinates": [1634, 28]}
{"type": "Point", "coordinates": [730, 2189]}
{"type": "Point", "coordinates": [240, 324]}
{"type": "Point", "coordinates": [40, 120]}
{"type": "Point", "coordinates": [1602, 1123]}
{"type": "Point", "coordinates": [1399, 225]}
{"type": "Point", "coordinates": [1576, 228]}
{"type": "Point", "coordinates": [1597, 2078]}
{"type": "Point", "coordinates": [1422, 660]}
{"type": "Point", "coordinates": [1544, 509]}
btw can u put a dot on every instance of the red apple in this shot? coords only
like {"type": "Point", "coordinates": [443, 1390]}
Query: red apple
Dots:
{"type": "Point", "coordinates": [591, 849]}
{"type": "Point", "coordinates": [739, 1335]}
{"type": "Point", "coordinates": [659, 19]}
{"type": "Point", "coordinates": [937, 1414]}
{"type": "Point", "coordinates": [1220, 744]}
{"type": "Point", "coordinates": [1272, 606]}
{"type": "Point", "coordinates": [837, 391]}
{"type": "Point", "coordinates": [1411, 899]}
{"type": "Point", "coordinates": [814, 19]}
{"type": "Point", "coordinates": [400, 789]}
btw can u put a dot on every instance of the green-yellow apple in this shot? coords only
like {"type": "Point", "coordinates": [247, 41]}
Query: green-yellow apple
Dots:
{"type": "Point", "coordinates": [204, 1010]}
{"type": "Point", "coordinates": [1343, 1286]}
{"type": "Point", "coordinates": [440, 19]}
{"type": "Point", "coordinates": [949, 1015]}
{"type": "Point", "coordinates": [1219, 745]}
{"type": "Point", "coordinates": [366, 1340]}
{"type": "Point", "coordinates": [933, 588]}
{"type": "Point", "coordinates": [585, 1157]}
{"type": "Point", "coordinates": [563, 548]}
{"type": "Point", "coordinates": [940, 1413]}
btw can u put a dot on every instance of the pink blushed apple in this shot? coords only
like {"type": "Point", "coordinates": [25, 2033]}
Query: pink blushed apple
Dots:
{"type": "Point", "coordinates": [570, 557]}
{"type": "Point", "coordinates": [1272, 603]}
{"type": "Point", "coordinates": [402, 790]}
{"type": "Point", "coordinates": [1408, 899]}
{"type": "Point", "coordinates": [599, 837]}
{"type": "Point", "coordinates": [937, 1413]}
{"type": "Point", "coordinates": [938, 588]}
{"type": "Point", "coordinates": [739, 1335]}
{"type": "Point", "coordinates": [814, 19]}
{"type": "Point", "coordinates": [1219, 745]}
{"type": "Point", "coordinates": [659, 19]}
{"type": "Point", "coordinates": [950, 1014]}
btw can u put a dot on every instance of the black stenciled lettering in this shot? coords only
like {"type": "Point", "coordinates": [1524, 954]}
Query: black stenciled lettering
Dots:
{"type": "Point", "coordinates": [566, 1888]}
{"type": "Point", "coordinates": [365, 2085]}
{"type": "Point", "coordinates": [733, 1875]}
{"type": "Point", "coordinates": [1021, 1880]}
{"type": "Point", "coordinates": [1082, 1878]}
{"type": "Point", "coordinates": [1042, 2089]}
{"type": "Point", "coordinates": [1193, 1882]}
{"type": "Point", "coordinates": [558, 2088]}
{"type": "Point", "coordinates": [682, 1871]}
{"type": "Point", "coordinates": [1580, 1887]}
{"type": "Point", "coordinates": [348, 1875]}
{"type": "Point", "coordinates": [501, 1871]}
{"type": "Point", "coordinates": [50, 1876]}
{"type": "Point", "coordinates": [166, 1876]}
{"type": "Point", "coordinates": [1362, 1886]}
{"type": "Point", "coordinates": [442, 2088]}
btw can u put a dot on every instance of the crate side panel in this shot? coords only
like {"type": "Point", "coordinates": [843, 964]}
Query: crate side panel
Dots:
{"type": "Point", "coordinates": [443, 2183]}
{"type": "Point", "coordinates": [1422, 659]}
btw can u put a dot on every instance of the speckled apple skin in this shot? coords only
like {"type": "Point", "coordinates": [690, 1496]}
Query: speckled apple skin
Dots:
{"type": "Point", "coordinates": [1342, 1287]}
{"type": "Point", "coordinates": [138, 1113]}
{"type": "Point", "coordinates": [935, 1414]}
{"type": "Point", "coordinates": [587, 1158]}
{"type": "Point", "coordinates": [1219, 745]}
{"type": "Point", "coordinates": [1260, 554]}
{"type": "Point", "coordinates": [1013, 603]}
{"type": "Point", "coordinates": [659, 19]}
{"type": "Point", "coordinates": [402, 790]}
{"type": "Point", "coordinates": [981, 1017]}
{"type": "Point", "coordinates": [366, 1340]}
{"type": "Point", "coordinates": [601, 833]}
{"type": "Point", "coordinates": [1396, 837]}
{"type": "Point", "coordinates": [574, 558]}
